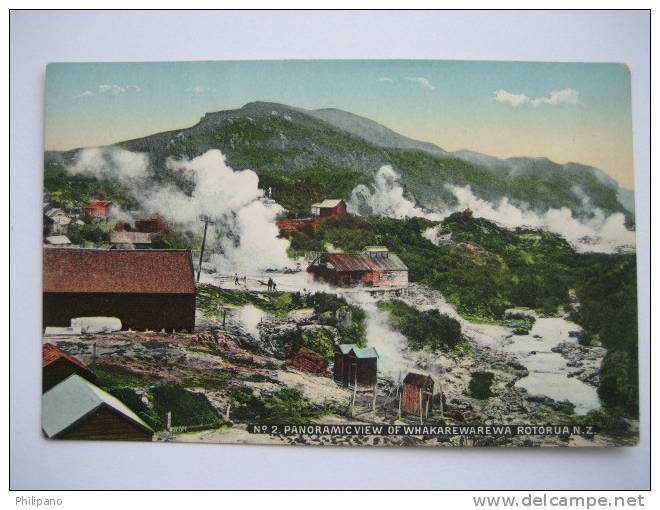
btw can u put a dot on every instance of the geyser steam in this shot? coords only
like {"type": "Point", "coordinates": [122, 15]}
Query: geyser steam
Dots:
{"type": "Point", "coordinates": [242, 236]}
{"type": "Point", "coordinates": [599, 233]}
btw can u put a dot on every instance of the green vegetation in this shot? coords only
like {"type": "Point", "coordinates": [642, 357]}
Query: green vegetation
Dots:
{"type": "Point", "coordinates": [520, 323]}
{"type": "Point", "coordinates": [210, 299]}
{"type": "Point", "coordinates": [174, 240]}
{"type": "Point", "coordinates": [607, 293]}
{"type": "Point", "coordinates": [480, 384]}
{"type": "Point", "coordinates": [116, 376]}
{"type": "Point", "coordinates": [91, 235]}
{"type": "Point", "coordinates": [486, 269]}
{"type": "Point", "coordinates": [298, 190]}
{"type": "Point", "coordinates": [187, 407]}
{"type": "Point", "coordinates": [320, 341]}
{"type": "Point", "coordinates": [122, 383]}
{"type": "Point", "coordinates": [286, 406]}
{"type": "Point", "coordinates": [61, 189]}
{"type": "Point", "coordinates": [547, 186]}
{"type": "Point", "coordinates": [428, 330]}
{"type": "Point", "coordinates": [134, 402]}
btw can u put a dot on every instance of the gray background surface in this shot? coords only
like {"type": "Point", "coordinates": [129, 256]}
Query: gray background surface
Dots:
{"type": "Point", "coordinates": [41, 37]}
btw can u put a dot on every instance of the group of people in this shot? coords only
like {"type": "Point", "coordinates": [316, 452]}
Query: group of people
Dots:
{"type": "Point", "coordinates": [272, 286]}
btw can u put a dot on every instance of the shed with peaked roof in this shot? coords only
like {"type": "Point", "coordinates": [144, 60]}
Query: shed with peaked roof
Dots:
{"type": "Point", "coordinates": [355, 365]}
{"type": "Point", "coordinates": [57, 365]}
{"type": "Point", "coordinates": [78, 409]}
{"type": "Point", "coordinates": [417, 394]}
{"type": "Point", "coordinates": [98, 209]}
{"type": "Point", "coordinates": [145, 289]}
{"type": "Point", "coordinates": [329, 207]}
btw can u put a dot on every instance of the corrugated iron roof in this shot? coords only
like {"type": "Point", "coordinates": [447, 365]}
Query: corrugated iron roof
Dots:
{"type": "Point", "coordinates": [328, 203]}
{"type": "Point", "coordinates": [360, 352]}
{"type": "Point", "coordinates": [73, 399]}
{"type": "Point", "coordinates": [345, 348]}
{"type": "Point", "coordinates": [58, 240]}
{"type": "Point", "coordinates": [118, 271]}
{"type": "Point", "coordinates": [358, 262]}
{"type": "Point", "coordinates": [125, 237]}
{"type": "Point", "coordinates": [419, 380]}
{"type": "Point", "coordinates": [98, 203]}
{"type": "Point", "coordinates": [52, 353]}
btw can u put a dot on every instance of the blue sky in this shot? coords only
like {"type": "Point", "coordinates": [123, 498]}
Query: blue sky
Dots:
{"type": "Point", "coordinates": [566, 112]}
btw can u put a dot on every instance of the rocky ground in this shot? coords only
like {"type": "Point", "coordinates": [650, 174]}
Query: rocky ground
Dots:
{"type": "Point", "coordinates": [584, 360]}
{"type": "Point", "coordinates": [216, 358]}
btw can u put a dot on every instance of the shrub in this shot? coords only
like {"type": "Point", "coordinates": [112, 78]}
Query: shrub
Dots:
{"type": "Point", "coordinates": [430, 329]}
{"type": "Point", "coordinates": [480, 384]}
{"type": "Point", "coordinates": [286, 406]}
{"type": "Point", "coordinates": [187, 407]}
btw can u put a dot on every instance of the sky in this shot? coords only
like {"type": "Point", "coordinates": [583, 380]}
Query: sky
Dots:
{"type": "Point", "coordinates": [567, 112]}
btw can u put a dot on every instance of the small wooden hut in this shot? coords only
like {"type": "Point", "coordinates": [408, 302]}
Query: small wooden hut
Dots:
{"type": "Point", "coordinates": [355, 365]}
{"type": "Point", "coordinates": [417, 394]}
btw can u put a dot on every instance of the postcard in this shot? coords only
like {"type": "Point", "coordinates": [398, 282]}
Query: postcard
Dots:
{"type": "Point", "coordinates": [348, 253]}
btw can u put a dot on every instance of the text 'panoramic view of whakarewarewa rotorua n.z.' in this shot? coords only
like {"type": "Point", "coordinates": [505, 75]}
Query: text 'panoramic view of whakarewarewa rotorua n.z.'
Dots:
{"type": "Point", "coordinates": [222, 269]}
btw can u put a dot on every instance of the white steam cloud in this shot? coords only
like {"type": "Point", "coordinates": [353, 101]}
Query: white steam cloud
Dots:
{"type": "Point", "coordinates": [599, 233]}
{"type": "Point", "coordinates": [242, 236]}
{"type": "Point", "coordinates": [385, 198]}
{"type": "Point", "coordinates": [250, 317]}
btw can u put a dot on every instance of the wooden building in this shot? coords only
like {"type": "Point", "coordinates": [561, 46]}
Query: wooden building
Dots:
{"type": "Point", "coordinates": [77, 409]}
{"type": "Point", "coordinates": [327, 208]}
{"type": "Point", "coordinates": [376, 266]}
{"type": "Point", "coordinates": [155, 224]}
{"type": "Point", "coordinates": [57, 365]}
{"type": "Point", "coordinates": [98, 209]}
{"type": "Point", "coordinates": [58, 241]}
{"type": "Point", "coordinates": [417, 394]}
{"type": "Point", "coordinates": [58, 221]}
{"type": "Point", "coordinates": [145, 289]}
{"type": "Point", "coordinates": [355, 365]}
{"type": "Point", "coordinates": [308, 361]}
{"type": "Point", "coordinates": [124, 239]}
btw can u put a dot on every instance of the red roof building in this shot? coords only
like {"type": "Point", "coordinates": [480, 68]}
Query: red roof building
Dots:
{"type": "Point", "coordinates": [98, 209]}
{"type": "Point", "coordinates": [374, 267]}
{"type": "Point", "coordinates": [145, 289]}
{"type": "Point", "coordinates": [57, 365]}
{"type": "Point", "coordinates": [155, 224]}
{"type": "Point", "coordinates": [333, 207]}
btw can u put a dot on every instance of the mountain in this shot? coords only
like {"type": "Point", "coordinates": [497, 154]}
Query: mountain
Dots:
{"type": "Point", "coordinates": [382, 136]}
{"type": "Point", "coordinates": [305, 155]}
{"type": "Point", "coordinates": [372, 132]}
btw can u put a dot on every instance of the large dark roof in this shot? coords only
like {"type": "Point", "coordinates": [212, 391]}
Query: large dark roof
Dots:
{"type": "Point", "coordinates": [355, 262]}
{"type": "Point", "coordinates": [118, 271]}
